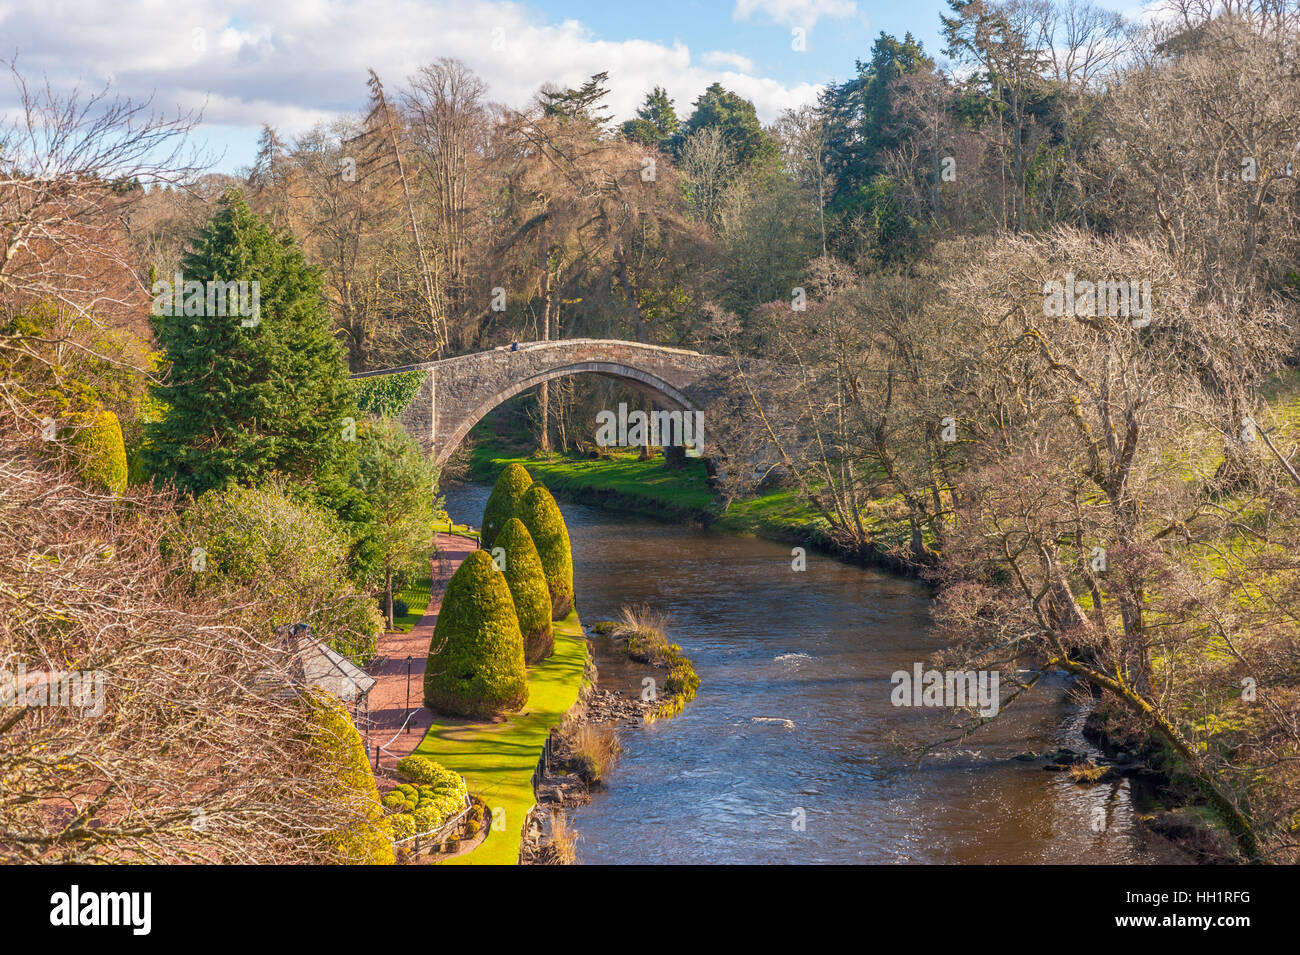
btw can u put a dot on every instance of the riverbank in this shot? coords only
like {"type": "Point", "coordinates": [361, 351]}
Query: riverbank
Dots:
{"type": "Point", "coordinates": [583, 748]}
{"type": "Point", "coordinates": [497, 759]}
{"type": "Point", "coordinates": [623, 483]}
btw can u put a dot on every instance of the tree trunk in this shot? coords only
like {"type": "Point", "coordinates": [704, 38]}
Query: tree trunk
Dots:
{"type": "Point", "coordinates": [545, 438]}
{"type": "Point", "coordinates": [388, 591]}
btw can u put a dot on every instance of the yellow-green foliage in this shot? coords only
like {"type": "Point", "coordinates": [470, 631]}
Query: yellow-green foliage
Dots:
{"type": "Point", "coordinates": [681, 684]}
{"type": "Point", "coordinates": [476, 656]}
{"type": "Point", "coordinates": [149, 410]}
{"type": "Point", "coordinates": [99, 449]}
{"type": "Point", "coordinates": [436, 795]}
{"type": "Point", "coordinates": [527, 581]}
{"type": "Point", "coordinates": [427, 772]}
{"type": "Point", "coordinates": [541, 515]}
{"type": "Point", "coordinates": [643, 630]}
{"type": "Point", "coordinates": [366, 837]}
{"type": "Point", "coordinates": [503, 502]}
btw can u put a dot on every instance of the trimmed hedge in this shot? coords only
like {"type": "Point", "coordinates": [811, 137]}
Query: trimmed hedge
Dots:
{"type": "Point", "coordinates": [527, 582]}
{"type": "Point", "coordinates": [100, 450]}
{"type": "Point", "coordinates": [476, 657]}
{"type": "Point", "coordinates": [541, 515]}
{"type": "Point", "coordinates": [366, 837]}
{"type": "Point", "coordinates": [436, 795]}
{"type": "Point", "coordinates": [427, 772]}
{"type": "Point", "coordinates": [503, 503]}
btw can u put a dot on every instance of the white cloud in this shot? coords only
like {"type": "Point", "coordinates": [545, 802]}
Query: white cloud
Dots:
{"type": "Point", "coordinates": [795, 13]}
{"type": "Point", "coordinates": [293, 64]}
{"type": "Point", "coordinates": [736, 61]}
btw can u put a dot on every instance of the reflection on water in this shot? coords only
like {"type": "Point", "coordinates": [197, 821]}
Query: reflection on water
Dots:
{"type": "Point", "coordinates": [793, 714]}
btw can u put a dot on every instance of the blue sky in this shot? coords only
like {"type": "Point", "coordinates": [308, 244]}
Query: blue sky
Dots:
{"type": "Point", "coordinates": [293, 63]}
{"type": "Point", "coordinates": [834, 42]}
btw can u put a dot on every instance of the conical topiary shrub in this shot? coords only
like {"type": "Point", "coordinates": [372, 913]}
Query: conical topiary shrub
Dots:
{"type": "Point", "coordinates": [101, 453]}
{"type": "Point", "coordinates": [364, 836]}
{"type": "Point", "coordinates": [476, 657]}
{"type": "Point", "coordinates": [503, 503]}
{"type": "Point", "coordinates": [541, 515]}
{"type": "Point", "coordinates": [527, 581]}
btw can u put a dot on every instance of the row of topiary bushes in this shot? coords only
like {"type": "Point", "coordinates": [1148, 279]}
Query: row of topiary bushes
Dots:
{"type": "Point", "coordinates": [497, 611]}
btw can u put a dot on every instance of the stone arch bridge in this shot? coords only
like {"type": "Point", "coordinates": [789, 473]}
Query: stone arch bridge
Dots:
{"type": "Point", "coordinates": [458, 392]}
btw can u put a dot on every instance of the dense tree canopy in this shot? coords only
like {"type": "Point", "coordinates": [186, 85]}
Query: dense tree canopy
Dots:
{"type": "Point", "coordinates": [736, 118]}
{"type": "Point", "coordinates": [249, 395]}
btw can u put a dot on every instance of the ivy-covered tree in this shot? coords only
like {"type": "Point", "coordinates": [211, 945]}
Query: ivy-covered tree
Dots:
{"type": "Point", "coordinates": [254, 390]}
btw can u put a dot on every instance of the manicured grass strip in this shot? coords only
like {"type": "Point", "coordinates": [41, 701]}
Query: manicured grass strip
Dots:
{"type": "Point", "coordinates": [417, 601]}
{"type": "Point", "coordinates": [637, 483]}
{"type": "Point", "coordinates": [498, 759]}
{"type": "Point", "coordinates": [450, 527]}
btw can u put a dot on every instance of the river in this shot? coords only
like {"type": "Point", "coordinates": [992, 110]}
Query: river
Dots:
{"type": "Point", "coordinates": [793, 721]}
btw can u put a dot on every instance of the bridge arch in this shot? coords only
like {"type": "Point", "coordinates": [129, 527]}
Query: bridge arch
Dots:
{"type": "Point", "coordinates": [643, 380]}
{"type": "Point", "coordinates": [457, 392]}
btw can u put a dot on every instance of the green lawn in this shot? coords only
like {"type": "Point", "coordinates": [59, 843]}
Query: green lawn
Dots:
{"type": "Point", "coordinates": [451, 527]}
{"type": "Point", "coordinates": [498, 759]}
{"type": "Point", "coordinates": [623, 482]}
{"type": "Point", "coordinates": [620, 478]}
{"type": "Point", "coordinates": [416, 596]}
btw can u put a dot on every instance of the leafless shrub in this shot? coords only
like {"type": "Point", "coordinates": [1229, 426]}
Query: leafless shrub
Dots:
{"type": "Point", "coordinates": [199, 750]}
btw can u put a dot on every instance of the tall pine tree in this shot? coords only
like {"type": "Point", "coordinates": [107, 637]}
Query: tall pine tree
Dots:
{"type": "Point", "coordinates": [247, 400]}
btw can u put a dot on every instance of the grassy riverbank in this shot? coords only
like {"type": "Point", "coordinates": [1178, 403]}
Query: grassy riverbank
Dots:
{"type": "Point", "coordinates": [1215, 725]}
{"type": "Point", "coordinates": [498, 759]}
{"type": "Point", "coordinates": [621, 481]}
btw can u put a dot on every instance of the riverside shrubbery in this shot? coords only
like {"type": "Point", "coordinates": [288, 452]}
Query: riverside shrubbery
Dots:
{"type": "Point", "coordinates": [593, 748]}
{"type": "Point", "coordinates": [642, 629]}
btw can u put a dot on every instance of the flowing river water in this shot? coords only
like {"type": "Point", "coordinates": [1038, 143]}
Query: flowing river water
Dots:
{"type": "Point", "coordinates": [793, 720]}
